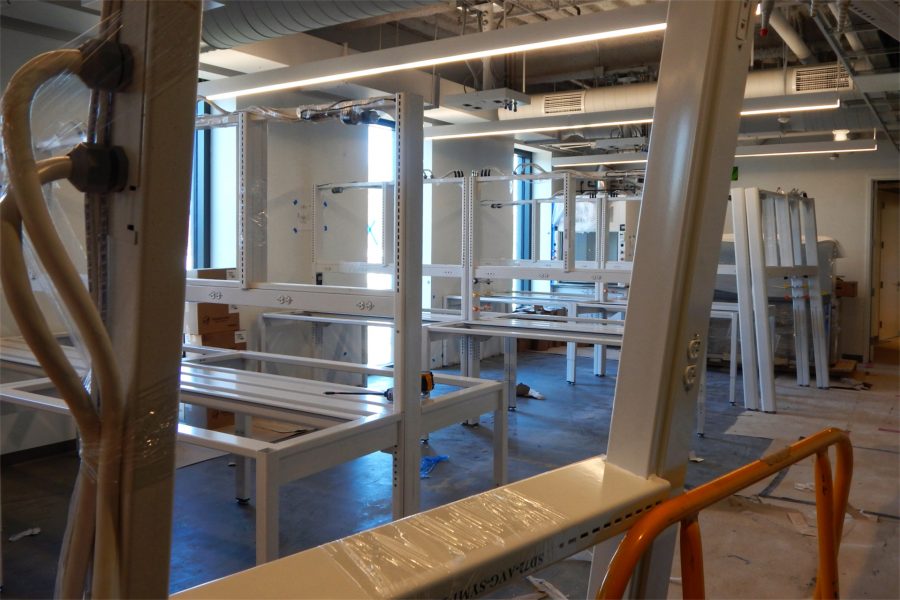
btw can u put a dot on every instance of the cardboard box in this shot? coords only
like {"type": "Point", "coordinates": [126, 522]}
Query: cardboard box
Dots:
{"type": "Point", "coordinates": [228, 274]}
{"type": "Point", "coordinates": [233, 340]}
{"type": "Point", "coordinates": [845, 289]}
{"type": "Point", "coordinates": [205, 317]}
{"type": "Point", "coordinates": [217, 419]}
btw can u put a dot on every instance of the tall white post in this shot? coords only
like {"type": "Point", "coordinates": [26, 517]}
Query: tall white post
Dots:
{"type": "Point", "coordinates": [701, 83]}
{"type": "Point", "coordinates": [144, 285]}
{"type": "Point", "coordinates": [408, 298]}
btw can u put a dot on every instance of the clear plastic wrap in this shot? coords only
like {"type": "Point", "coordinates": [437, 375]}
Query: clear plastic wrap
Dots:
{"type": "Point", "coordinates": [126, 423]}
{"type": "Point", "coordinates": [379, 560]}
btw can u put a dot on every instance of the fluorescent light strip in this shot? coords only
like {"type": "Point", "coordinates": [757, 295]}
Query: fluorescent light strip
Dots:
{"type": "Point", "coordinates": [430, 62]}
{"type": "Point", "coordinates": [838, 150]}
{"type": "Point", "coordinates": [534, 129]}
{"type": "Point", "coordinates": [800, 152]}
{"type": "Point", "coordinates": [604, 162]}
{"type": "Point", "coordinates": [744, 113]}
{"type": "Point", "coordinates": [787, 109]}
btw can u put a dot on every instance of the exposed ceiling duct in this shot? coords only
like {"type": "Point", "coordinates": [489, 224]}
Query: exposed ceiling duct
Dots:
{"type": "Point", "coordinates": [760, 84]}
{"type": "Point", "coordinates": [238, 23]}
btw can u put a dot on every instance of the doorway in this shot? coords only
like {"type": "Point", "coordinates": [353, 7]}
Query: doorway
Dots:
{"type": "Point", "coordinates": [885, 331]}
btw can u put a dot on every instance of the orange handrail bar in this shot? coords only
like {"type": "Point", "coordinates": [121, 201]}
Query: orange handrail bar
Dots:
{"type": "Point", "coordinates": [831, 504]}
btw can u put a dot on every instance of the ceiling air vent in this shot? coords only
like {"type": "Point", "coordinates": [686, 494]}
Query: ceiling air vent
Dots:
{"type": "Point", "coordinates": [567, 102]}
{"type": "Point", "coordinates": [820, 79]}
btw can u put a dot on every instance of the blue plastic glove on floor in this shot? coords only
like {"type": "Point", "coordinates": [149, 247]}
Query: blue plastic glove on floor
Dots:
{"type": "Point", "coordinates": [428, 463]}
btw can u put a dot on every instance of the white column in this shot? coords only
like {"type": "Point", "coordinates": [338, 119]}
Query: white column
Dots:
{"type": "Point", "coordinates": [690, 158]}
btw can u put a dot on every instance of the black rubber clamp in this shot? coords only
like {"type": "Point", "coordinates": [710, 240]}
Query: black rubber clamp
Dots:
{"type": "Point", "coordinates": [106, 65]}
{"type": "Point", "coordinates": [98, 169]}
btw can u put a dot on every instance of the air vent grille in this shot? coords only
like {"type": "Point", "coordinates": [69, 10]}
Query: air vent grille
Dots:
{"type": "Point", "coordinates": [568, 102]}
{"type": "Point", "coordinates": [818, 79]}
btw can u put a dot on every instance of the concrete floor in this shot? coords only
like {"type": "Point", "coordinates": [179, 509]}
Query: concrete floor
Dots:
{"type": "Point", "coordinates": [754, 547]}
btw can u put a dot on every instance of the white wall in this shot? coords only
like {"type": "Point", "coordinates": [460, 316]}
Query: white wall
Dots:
{"type": "Point", "coordinates": [301, 156]}
{"type": "Point", "coordinates": [842, 189]}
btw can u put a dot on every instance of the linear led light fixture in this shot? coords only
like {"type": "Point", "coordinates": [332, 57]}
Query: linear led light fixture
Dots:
{"type": "Point", "coordinates": [789, 104]}
{"type": "Point", "coordinates": [797, 149]}
{"type": "Point", "coordinates": [632, 116]}
{"type": "Point", "coordinates": [868, 145]}
{"type": "Point", "coordinates": [618, 158]}
{"type": "Point", "coordinates": [551, 34]}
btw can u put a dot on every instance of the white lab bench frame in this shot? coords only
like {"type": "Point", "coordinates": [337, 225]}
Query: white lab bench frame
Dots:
{"type": "Point", "coordinates": [401, 303]}
{"type": "Point", "coordinates": [346, 427]}
{"type": "Point", "coordinates": [511, 327]}
{"type": "Point", "coordinates": [695, 130]}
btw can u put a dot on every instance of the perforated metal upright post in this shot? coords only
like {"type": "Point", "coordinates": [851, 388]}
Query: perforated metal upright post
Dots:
{"type": "Point", "coordinates": [252, 199]}
{"type": "Point", "coordinates": [762, 250]}
{"type": "Point", "coordinates": [749, 364]}
{"type": "Point", "coordinates": [799, 291]}
{"type": "Point", "coordinates": [817, 312]}
{"type": "Point", "coordinates": [693, 139]}
{"type": "Point", "coordinates": [408, 299]}
{"type": "Point", "coordinates": [569, 220]}
{"type": "Point", "coordinates": [147, 236]}
{"type": "Point", "coordinates": [469, 351]}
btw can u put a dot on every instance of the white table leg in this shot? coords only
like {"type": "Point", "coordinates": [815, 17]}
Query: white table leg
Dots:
{"type": "Point", "coordinates": [501, 435]}
{"type": "Point", "coordinates": [266, 509]}
{"type": "Point", "coordinates": [510, 363]}
{"type": "Point", "coordinates": [732, 366]}
{"type": "Point", "coordinates": [242, 427]}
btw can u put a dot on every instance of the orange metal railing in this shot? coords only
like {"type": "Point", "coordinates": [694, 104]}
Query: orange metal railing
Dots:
{"type": "Point", "coordinates": [831, 504]}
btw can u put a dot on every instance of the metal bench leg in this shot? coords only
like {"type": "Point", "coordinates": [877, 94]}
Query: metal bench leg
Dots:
{"type": "Point", "coordinates": [571, 355]}
{"type": "Point", "coordinates": [501, 433]}
{"type": "Point", "coordinates": [732, 366]}
{"type": "Point", "coordinates": [266, 509]}
{"type": "Point", "coordinates": [510, 363]}
{"type": "Point", "coordinates": [242, 426]}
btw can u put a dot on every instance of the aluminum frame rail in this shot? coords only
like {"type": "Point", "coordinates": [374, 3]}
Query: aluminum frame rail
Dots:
{"type": "Point", "coordinates": [596, 271]}
{"type": "Point", "coordinates": [464, 549]}
{"type": "Point", "coordinates": [776, 237]}
{"type": "Point", "coordinates": [385, 266]}
{"type": "Point", "coordinates": [252, 288]}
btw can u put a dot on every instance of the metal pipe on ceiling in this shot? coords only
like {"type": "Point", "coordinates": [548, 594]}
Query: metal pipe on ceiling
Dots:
{"type": "Point", "coordinates": [790, 37]}
{"type": "Point", "coordinates": [862, 64]}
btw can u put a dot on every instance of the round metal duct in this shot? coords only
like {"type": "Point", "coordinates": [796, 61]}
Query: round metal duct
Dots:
{"type": "Point", "coordinates": [243, 22]}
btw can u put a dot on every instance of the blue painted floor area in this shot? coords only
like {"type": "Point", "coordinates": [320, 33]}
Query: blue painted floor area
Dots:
{"type": "Point", "coordinates": [213, 535]}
